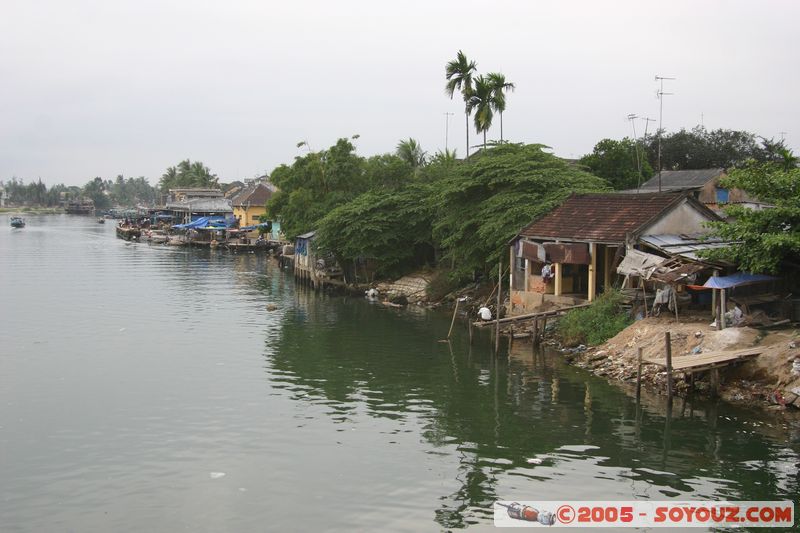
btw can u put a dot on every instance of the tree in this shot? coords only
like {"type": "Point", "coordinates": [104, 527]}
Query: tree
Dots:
{"type": "Point", "coordinates": [480, 207]}
{"type": "Point", "coordinates": [763, 240]}
{"type": "Point", "coordinates": [459, 75]}
{"type": "Point", "coordinates": [615, 161]}
{"type": "Point", "coordinates": [699, 148]}
{"type": "Point", "coordinates": [481, 102]}
{"type": "Point", "coordinates": [412, 153]}
{"type": "Point", "coordinates": [499, 87]}
{"type": "Point", "coordinates": [188, 174]}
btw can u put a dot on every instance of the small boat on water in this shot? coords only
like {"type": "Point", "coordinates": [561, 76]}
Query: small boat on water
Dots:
{"type": "Point", "coordinates": [17, 222]}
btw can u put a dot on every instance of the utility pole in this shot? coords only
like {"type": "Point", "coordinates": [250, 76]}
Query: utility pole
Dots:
{"type": "Point", "coordinates": [631, 118]}
{"type": "Point", "coordinates": [661, 95]}
{"type": "Point", "coordinates": [783, 134]}
{"type": "Point", "coordinates": [446, 129]}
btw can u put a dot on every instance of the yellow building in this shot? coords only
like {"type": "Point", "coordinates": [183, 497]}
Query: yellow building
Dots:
{"type": "Point", "coordinates": [250, 204]}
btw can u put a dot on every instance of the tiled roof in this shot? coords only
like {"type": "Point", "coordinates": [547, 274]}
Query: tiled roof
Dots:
{"type": "Point", "coordinates": [600, 217]}
{"type": "Point", "coordinates": [257, 194]}
{"type": "Point", "coordinates": [672, 180]}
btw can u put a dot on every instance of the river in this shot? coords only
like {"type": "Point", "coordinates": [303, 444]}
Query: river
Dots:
{"type": "Point", "coordinates": [148, 388]}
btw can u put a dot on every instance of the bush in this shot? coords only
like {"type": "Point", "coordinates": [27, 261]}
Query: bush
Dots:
{"type": "Point", "coordinates": [595, 324]}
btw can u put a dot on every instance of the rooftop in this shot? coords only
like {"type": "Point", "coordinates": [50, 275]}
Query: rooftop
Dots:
{"type": "Point", "coordinates": [681, 180]}
{"type": "Point", "coordinates": [254, 194]}
{"type": "Point", "coordinates": [606, 217]}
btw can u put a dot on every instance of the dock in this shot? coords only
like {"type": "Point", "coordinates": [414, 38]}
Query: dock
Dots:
{"type": "Point", "coordinates": [690, 364]}
{"type": "Point", "coordinates": [511, 320]}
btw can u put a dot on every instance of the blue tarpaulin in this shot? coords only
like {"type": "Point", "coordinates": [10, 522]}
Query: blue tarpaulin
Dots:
{"type": "Point", "coordinates": [205, 222]}
{"type": "Point", "coordinates": [736, 280]}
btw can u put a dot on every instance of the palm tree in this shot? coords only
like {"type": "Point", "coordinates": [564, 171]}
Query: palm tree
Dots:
{"type": "Point", "coordinates": [412, 153]}
{"type": "Point", "coordinates": [499, 87]}
{"type": "Point", "coordinates": [459, 75]}
{"type": "Point", "coordinates": [481, 101]}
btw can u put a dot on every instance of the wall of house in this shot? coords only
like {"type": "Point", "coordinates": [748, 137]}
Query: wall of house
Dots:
{"type": "Point", "coordinates": [683, 219]}
{"type": "Point", "coordinates": [249, 216]}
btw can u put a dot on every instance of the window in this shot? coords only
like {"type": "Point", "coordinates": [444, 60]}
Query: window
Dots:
{"type": "Point", "coordinates": [722, 196]}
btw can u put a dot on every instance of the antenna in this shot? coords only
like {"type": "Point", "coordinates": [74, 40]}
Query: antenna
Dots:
{"type": "Point", "coordinates": [783, 134]}
{"type": "Point", "coordinates": [446, 129]}
{"type": "Point", "coordinates": [632, 119]}
{"type": "Point", "coordinates": [661, 94]}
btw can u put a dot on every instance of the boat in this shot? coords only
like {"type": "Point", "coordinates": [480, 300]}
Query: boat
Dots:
{"type": "Point", "coordinates": [17, 222]}
{"type": "Point", "coordinates": [101, 221]}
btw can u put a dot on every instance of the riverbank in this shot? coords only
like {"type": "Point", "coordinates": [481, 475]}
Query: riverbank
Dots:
{"type": "Point", "coordinates": [31, 211]}
{"type": "Point", "coordinates": [764, 380]}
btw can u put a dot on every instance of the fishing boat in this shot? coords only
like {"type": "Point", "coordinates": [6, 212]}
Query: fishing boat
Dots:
{"type": "Point", "coordinates": [17, 222]}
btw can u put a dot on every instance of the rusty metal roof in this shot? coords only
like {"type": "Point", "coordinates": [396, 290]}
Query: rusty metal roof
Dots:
{"type": "Point", "coordinates": [601, 217]}
{"type": "Point", "coordinates": [255, 195]}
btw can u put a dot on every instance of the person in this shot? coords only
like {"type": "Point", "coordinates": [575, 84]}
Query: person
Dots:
{"type": "Point", "coordinates": [547, 272]}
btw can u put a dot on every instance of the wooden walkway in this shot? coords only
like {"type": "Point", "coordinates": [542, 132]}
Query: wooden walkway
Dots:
{"type": "Point", "coordinates": [690, 364]}
{"type": "Point", "coordinates": [529, 316]}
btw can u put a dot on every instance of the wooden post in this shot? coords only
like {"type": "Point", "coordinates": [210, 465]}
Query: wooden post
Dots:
{"type": "Point", "coordinates": [558, 286]}
{"type": "Point", "coordinates": [592, 271]}
{"type": "Point", "coordinates": [723, 308]}
{"type": "Point", "coordinates": [714, 298]}
{"type": "Point", "coordinates": [669, 364]}
{"type": "Point", "coordinates": [453, 321]}
{"type": "Point", "coordinates": [644, 295]}
{"type": "Point", "coordinates": [470, 330]}
{"type": "Point", "coordinates": [715, 381]}
{"type": "Point", "coordinates": [511, 338]}
{"type": "Point", "coordinates": [497, 318]}
{"type": "Point", "coordinates": [535, 332]}
{"type": "Point", "coordinates": [675, 300]}
{"type": "Point", "coordinates": [638, 375]}
{"type": "Point", "coordinates": [607, 268]}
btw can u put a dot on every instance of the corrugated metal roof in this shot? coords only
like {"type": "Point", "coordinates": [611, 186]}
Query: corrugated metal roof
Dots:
{"type": "Point", "coordinates": [686, 246]}
{"type": "Point", "coordinates": [672, 180]}
{"type": "Point", "coordinates": [205, 205]}
{"type": "Point", "coordinates": [307, 235]}
{"type": "Point", "coordinates": [600, 217]}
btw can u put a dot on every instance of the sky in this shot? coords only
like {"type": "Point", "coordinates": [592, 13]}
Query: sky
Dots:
{"type": "Point", "coordinates": [100, 88]}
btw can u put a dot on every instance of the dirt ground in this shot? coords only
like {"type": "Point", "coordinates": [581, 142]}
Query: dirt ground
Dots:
{"type": "Point", "coordinates": [766, 378]}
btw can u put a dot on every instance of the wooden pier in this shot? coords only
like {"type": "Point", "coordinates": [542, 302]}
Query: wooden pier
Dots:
{"type": "Point", "coordinates": [511, 320]}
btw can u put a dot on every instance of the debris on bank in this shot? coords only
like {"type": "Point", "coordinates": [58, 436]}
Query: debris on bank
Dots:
{"type": "Point", "coordinates": [772, 377]}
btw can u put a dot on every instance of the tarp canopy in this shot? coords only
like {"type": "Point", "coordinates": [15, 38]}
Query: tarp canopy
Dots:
{"type": "Point", "coordinates": [205, 222]}
{"type": "Point", "coordinates": [736, 280]}
{"type": "Point", "coordinates": [265, 225]}
{"type": "Point", "coordinates": [638, 263]}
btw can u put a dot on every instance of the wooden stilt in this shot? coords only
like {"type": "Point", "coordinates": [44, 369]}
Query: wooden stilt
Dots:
{"type": "Point", "coordinates": [668, 343]}
{"type": "Point", "coordinates": [499, 292]}
{"type": "Point", "coordinates": [511, 338]}
{"type": "Point", "coordinates": [638, 374]}
{"type": "Point", "coordinates": [535, 332]}
{"type": "Point", "coordinates": [453, 321]}
{"type": "Point", "coordinates": [715, 381]}
{"type": "Point", "coordinates": [470, 330]}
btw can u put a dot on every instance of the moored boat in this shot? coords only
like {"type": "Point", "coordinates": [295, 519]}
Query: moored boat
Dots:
{"type": "Point", "coordinates": [17, 222]}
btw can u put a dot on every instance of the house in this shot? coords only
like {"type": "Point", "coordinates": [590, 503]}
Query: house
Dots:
{"type": "Point", "coordinates": [702, 184]}
{"type": "Point", "coordinates": [186, 205]}
{"type": "Point", "coordinates": [250, 204]}
{"type": "Point", "coordinates": [582, 241]}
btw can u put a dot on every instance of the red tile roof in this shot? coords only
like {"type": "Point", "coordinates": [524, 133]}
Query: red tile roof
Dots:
{"type": "Point", "coordinates": [255, 195]}
{"type": "Point", "coordinates": [600, 217]}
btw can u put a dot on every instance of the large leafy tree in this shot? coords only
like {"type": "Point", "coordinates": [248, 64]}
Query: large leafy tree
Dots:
{"type": "Point", "coordinates": [459, 74]}
{"type": "Point", "coordinates": [481, 101]}
{"type": "Point", "coordinates": [480, 207]}
{"type": "Point", "coordinates": [315, 184]}
{"type": "Point", "coordinates": [499, 87]}
{"type": "Point", "coordinates": [763, 240]}
{"type": "Point", "coordinates": [390, 227]}
{"type": "Point", "coordinates": [700, 148]}
{"type": "Point", "coordinates": [616, 162]}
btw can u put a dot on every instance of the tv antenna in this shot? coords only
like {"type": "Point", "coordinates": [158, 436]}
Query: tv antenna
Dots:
{"type": "Point", "coordinates": [632, 119]}
{"type": "Point", "coordinates": [661, 94]}
{"type": "Point", "coordinates": [446, 129]}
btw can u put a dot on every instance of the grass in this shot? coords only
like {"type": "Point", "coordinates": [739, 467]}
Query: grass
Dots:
{"type": "Point", "coordinates": [595, 324]}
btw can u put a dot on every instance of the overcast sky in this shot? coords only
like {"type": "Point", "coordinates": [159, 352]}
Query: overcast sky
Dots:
{"type": "Point", "coordinates": [99, 88]}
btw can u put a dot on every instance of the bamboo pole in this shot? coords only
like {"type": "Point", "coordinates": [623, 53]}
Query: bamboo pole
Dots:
{"type": "Point", "coordinates": [668, 343]}
{"type": "Point", "coordinates": [639, 375]}
{"type": "Point", "coordinates": [497, 317]}
{"type": "Point", "coordinates": [453, 321]}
